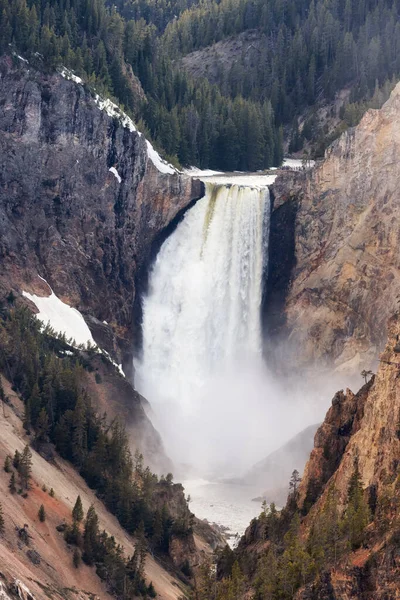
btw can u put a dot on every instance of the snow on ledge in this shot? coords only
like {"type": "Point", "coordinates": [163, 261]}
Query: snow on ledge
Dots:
{"type": "Point", "coordinates": [115, 112]}
{"type": "Point", "coordinates": [21, 58]}
{"type": "Point", "coordinates": [114, 171]}
{"type": "Point", "coordinates": [159, 162]}
{"type": "Point", "coordinates": [66, 319]}
{"type": "Point", "coordinates": [61, 317]}
{"type": "Point", "coordinates": [68, 74]}
{"type": "Point", "coordinates": [195, 172]}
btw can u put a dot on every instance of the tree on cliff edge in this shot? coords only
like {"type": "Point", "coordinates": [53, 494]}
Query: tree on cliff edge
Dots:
{"type": "Point", "coordinates": [356, 517]}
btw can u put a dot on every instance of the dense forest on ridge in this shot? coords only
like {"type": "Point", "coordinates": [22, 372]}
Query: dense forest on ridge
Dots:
{"type": "Point", "coordinates": [310, 50]}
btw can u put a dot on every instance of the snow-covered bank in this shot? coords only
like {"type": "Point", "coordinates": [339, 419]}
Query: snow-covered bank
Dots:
{"type": "Point", "coordinates": [61, 317]}
{"type": "Point", "coordinates": [65, 319]}
{"type": "Point", "coordinates": [254, 180]}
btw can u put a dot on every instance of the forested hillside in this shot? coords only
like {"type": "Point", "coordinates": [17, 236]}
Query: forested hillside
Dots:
{"type": "Point", "coordinates": [195, 124]}
{"type": "Point", "coordinates": [48, 374]}
{"type": "Point", "coordinates": [303, 52]}
{"type": "Point", "coordinates": [307, 51]}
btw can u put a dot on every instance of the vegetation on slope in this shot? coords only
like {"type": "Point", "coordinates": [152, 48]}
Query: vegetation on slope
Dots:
{"type": "Point", "coordinates": [283, 552]}
{"type": "Point", "coordinates": [47, 372]}
{"type": "Point", "coordinates": [195, 124]}
{"type": "Point", "coordinates": [309, 50]}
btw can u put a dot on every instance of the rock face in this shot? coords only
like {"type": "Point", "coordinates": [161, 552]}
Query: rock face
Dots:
{"type": "Point", "coordinates": [219, 58]}
{"type": "Point", "coordinates": [344, 272]}
{"type": "Point", "coordinates": [362, 427]}
{"type": "Point", "coordinates": [365, 425]}
{"type": "Point", "coordinates": [63, 214]}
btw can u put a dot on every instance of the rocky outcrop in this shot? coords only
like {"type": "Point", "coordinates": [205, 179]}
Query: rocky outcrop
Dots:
{"type": "Point", "coordinates": [218, 59]}
{"type": "Point", "coordinates": [63, 214]}
{"type": "Point", "coordinates": [345, 273]}
{"type": "Point", "coordinates": [363, 428]}
{"type": "Point", "coordinates": [330, 442]}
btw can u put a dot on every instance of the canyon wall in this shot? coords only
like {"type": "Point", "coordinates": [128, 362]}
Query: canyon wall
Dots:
{"type": "Point", "coordinates": [335, 278]}
{"type": "Point", "coordinates": [64, 215]}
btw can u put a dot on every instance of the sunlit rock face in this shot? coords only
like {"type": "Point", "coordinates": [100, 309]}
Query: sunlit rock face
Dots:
{"type": "Point", "coordinates": [360, 429]}
{"type": "Point", "coordinates": [64, 214]}
{"type": "Point", "coordinates": [344, 275]}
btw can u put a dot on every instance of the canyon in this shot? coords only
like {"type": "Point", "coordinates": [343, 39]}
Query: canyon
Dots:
{"type": "Point", "coordinates": [86, 204]}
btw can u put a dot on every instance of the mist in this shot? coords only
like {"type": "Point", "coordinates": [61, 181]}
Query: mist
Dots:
{"type": "Point", "coordinates": [237, 417]}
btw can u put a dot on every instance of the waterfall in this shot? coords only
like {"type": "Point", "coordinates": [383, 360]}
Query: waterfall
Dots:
{"type": "Point", "coordinates": [201, 316]}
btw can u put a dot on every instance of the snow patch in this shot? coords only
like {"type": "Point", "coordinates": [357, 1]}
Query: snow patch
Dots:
{"type": "Point", "coordinates": [114, 111]}
{"type": "Point", "coordinates": [243, 179]}
{"type": "Point", "coordinates": [195, 172]}
{"type": "Point", "coordinates": [114, 171]}
{"type": "Point", "coordinates": [250, 180]}
{"type": "Point", "coordinates": [65, 319]}
{"type": "Point", "coordinates": [21, 58]}
{"type": "Point", "coordinates": [68, 74]}
{"type": "Point", "coordinates": [61, 317]}
{"type": "Point", "coordinates": [158, 162]}
{"type": "Point", "coordinates": [116, 365]}
{"type": "Point", "coordinates": [297, 163]}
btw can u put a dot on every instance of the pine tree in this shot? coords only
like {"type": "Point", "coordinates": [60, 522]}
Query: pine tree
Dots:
{"type": "Point", "coordinates": [90, 536]}
{"type": "Point", "coordinates": [16, 459]}
{"type": "Point", "coordinates": [12, 485]}
{"type": "Point", "coordinates": [42, 426]}
{"type": "Point", "coordinates": [2, 523]}
{"type": "Point", "coordinates": [42, 514]}
{"type": "Point", "coordinates": [77, 511]}
{"type": "Point", "coordinates": [7, 464]}
{"type": "Point", "coordinates": [76, 558]}
{"type": "Point", "coordinates": [294, 483]}
{"type": "Point", "coordinates": [356, 517]}
{"type": "Point", "coordinates": [25, 468]}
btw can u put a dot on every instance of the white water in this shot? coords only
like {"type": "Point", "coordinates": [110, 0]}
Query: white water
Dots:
{"type": "Point", "coordinates": [201, 324]}
{"type": "Point", "coordinates": [228, 505]}
{"type": "Point", "coordinates": [216, 405]}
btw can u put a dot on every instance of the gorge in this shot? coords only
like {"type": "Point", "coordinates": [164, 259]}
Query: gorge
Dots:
{"type": "Point", "coordinates": [318, 252]}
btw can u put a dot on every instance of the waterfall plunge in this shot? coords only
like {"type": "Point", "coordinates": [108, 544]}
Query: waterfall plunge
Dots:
{"type": "Point", "coordinates": [202, 339]}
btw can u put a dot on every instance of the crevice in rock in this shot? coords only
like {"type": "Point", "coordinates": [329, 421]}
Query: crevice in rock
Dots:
{"type": "Point", "coordinates": [282, 260]}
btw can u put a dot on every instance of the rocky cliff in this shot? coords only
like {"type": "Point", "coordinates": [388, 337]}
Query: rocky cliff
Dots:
{"type": "Point", "coordinates": [338, 281]}
{"type": "Point", "coordinates": [64, 215]}
{"type": "Point", "coordinates": [362, 428]}
{"type": "Point", "coordinates": [338, 535]}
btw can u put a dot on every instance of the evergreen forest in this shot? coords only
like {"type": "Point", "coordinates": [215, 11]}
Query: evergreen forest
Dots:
{"type": "Point", "coordinates": [132, 49]}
